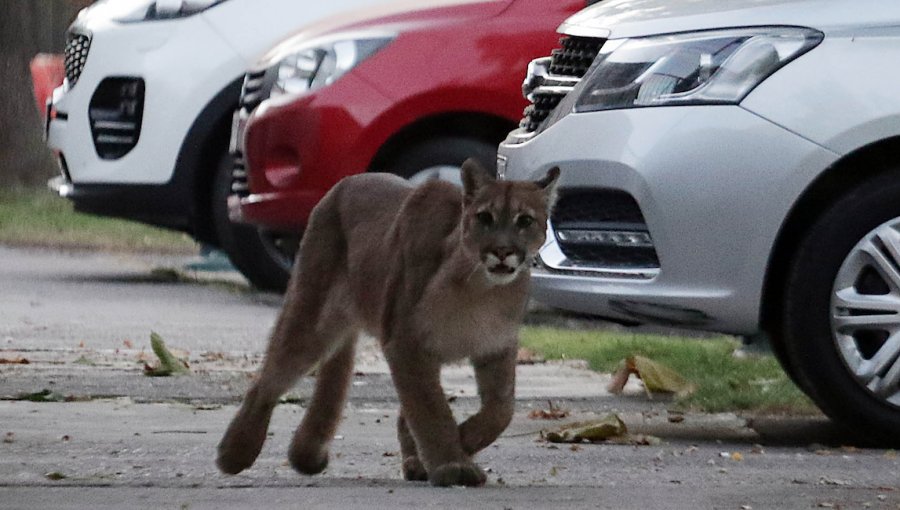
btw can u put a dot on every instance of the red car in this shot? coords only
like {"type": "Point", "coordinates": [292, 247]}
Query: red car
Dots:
{"type": "Point", "coordinates": [408, 88]}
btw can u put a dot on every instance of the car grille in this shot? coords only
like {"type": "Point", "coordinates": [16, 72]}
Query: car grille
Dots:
{"type": "Point", "coordinates": [255, 90]}
{"type": "Point", "coordinates": [603, 228]}
{"type": "Point", "coordinates": [566, 66]}
{"type": "Point", "coordinates": [75, 55]}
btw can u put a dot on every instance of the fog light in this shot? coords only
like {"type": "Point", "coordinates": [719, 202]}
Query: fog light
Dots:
{"type": "Point", "coordinates": [116, 112]}
{"type": "Point", "coordinates": [619, 238]}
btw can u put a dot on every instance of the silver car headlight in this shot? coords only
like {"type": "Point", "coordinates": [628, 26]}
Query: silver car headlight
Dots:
{"type": "Point", "coordinates": [306, 67]}
{"type": "Point", "coordinates": [131, 11]}
{"type": "Point", "coordinates": [710, 67]}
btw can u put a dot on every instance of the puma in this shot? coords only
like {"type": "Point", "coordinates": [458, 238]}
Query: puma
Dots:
{"type": "Point", "coordinates": [437, 275]}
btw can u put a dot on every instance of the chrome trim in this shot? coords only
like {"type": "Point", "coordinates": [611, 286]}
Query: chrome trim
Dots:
{"type": "Point", "coordinates": [540, 80]}
{"type": "Point", "coordinates": [553, 259]}
{"type": "Point", "coordinates": [583, 31]}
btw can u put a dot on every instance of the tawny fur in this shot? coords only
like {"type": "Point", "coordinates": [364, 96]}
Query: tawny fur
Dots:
{"type": "Point", "coordinates": [437, 276]}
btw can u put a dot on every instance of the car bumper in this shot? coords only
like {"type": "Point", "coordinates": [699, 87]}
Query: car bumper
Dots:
{"type": "Point", "coordinates": [296, 149]}
{"type": "Point", "coordinates": [153, 53]}
{"type": "Point", "coordinates": [714, 184]}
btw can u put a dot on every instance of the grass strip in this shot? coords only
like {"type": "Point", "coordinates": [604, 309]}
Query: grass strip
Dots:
{"type": "Point", "coordinates": [37, 217]}
{"type": "Point", "coordinates": [755, 383]}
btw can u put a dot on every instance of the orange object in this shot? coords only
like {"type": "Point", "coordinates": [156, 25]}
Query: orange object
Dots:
{"type": "Point", "coordinates": [47, 72]}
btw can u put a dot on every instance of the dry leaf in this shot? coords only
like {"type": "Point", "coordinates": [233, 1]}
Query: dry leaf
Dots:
{"type": "Point", "coordinates": [14, 361]}
{"type": "Point", "coordinates": [526, 356]}
{"type": "Point", "coordinates": [599, 430]}
{"type": "Point", "coordinates": [168, 363]}
{"type": "Point", "coordinates": [657, 377]}
{"type": "Point", "coordinates": [554, 413]}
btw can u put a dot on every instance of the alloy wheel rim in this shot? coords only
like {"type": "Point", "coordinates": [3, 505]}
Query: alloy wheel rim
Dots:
{"type": "Point", "coordinates": [865, 312]}
{"type": "Point", "coordinates": [449, 173]}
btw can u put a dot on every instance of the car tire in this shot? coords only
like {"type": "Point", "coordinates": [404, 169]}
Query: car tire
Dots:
{"type": "Point", "coordinates": [442, 157]}
{"type": "Point", "coordinates": [831, 338]}
{"type": "Point", "coordinates": [264, 258]}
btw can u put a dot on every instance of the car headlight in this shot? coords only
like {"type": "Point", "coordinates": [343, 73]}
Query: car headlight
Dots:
{"type": "Point", "coordinates": [130, 11]}
{"type": "Point", "coordinates": [711, 67]}
{"type": "Point", "coordinates": [316, 64]}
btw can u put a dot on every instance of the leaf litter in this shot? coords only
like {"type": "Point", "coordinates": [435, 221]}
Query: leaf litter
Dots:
{"type": "Point", "coordinates": [168, 363]}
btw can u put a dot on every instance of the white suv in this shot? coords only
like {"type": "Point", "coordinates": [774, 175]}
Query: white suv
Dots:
{"type": "Point", "coordinates": [731, 166]}
{"type": "Point", "coordinates": [141, 124]}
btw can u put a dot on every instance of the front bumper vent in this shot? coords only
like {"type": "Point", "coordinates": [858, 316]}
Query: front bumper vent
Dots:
{"type": "Point", "coordinates": [75, 55]}
{"type": "Point", "coordinates": [116, 112]}
{"type": "Point", "coordinates": [604, 229]}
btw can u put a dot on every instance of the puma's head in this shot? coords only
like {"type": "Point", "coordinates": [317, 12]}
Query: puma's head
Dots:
{"type": "Point", "coordinates": [504, 222]}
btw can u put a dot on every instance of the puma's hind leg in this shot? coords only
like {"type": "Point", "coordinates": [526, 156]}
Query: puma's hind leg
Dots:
{"type": "Point", "coordinates": [305, 332]}
{"type": "Point", "coordinates": [308, 452]}
{"type": "Point", "coordinates": [294, 350]}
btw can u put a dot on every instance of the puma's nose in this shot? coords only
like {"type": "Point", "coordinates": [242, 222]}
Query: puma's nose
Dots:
{"type": "Point", "coordinates": [503, 252]}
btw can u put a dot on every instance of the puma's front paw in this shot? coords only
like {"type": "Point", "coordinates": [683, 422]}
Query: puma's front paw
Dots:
{"type": "Point", "coordinates": [308, 460]}
{"type": "Point", "coordinates": [457, 473]}
{"type": "Point", "coordinates": [413, 470]}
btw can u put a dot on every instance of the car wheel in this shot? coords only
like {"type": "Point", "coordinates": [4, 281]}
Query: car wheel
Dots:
{"type": "Point", "coordinates": [842, 309]}
{"type": "Point", "coordinates": [441, 158]}
{"type": "Point", "coordinates": [264, 257]}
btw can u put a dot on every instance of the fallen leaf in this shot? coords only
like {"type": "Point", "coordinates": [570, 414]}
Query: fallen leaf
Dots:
{"type": "Point", "coordinates": [8, 438]}
{"type": "Point", "coordinates": [83, 360]}
{"type": "Point", "coordinates": [41, 396]}
{"type": "Point", "coordinates": [657, 377]}
{"type": "Point", "coordinates": [127, 343]}
{"type": "Point", "coordinates": [675, 417]}
{"type": "Point", "coordinates": [168, 363]}
{"type": "Point", "coordinates": [553, 413]}
{"type": "Point", "coordinates": [526, 356]}
{"type": "Point", "coordinates": [14, 361]}
{"type": "Point", "coordinates": [736, 456]}
{"type": "Point", "coordinates": [54, 475]}
{"type": "Point", "coordinates": [599, 430]}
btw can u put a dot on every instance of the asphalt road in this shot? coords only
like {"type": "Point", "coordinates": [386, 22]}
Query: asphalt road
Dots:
{"type": "Point", "coordinates": [119, 439]}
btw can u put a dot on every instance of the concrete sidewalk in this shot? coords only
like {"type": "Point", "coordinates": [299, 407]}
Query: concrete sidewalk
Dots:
{"type": "Point", "coordinates": [118, 454]}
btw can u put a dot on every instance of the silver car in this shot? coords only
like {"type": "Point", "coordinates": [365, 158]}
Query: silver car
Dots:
{"type": "Point", "coordinates": [732, 166]}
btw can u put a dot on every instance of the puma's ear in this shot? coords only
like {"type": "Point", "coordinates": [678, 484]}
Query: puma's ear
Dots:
{"type": "Point", "coordinates": [474, 177]}
{"type": "Point", "coordinates": [548, 183]}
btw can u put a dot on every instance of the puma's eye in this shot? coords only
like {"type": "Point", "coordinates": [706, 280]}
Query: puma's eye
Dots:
{"type": "Point", "coordinates": [524, 221]}
{"type": "Point", "coordinates": [485, 218]}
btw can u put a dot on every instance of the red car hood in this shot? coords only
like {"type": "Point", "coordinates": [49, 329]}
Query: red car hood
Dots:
{"type": "Point", "coordinates": [398, 15]}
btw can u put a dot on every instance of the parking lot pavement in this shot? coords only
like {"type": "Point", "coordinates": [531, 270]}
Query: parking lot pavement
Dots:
{"type": "Point", "coordinates": [123, 440]}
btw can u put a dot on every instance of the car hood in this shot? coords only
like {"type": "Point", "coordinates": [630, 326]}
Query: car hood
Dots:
{"type": "Point", "coordinates": [396, 16]}
{"type": "Point", "coordinates": [616, 19]}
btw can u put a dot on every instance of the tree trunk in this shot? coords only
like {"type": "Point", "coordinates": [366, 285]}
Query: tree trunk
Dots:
{"type": "Point", "coordinates": [27, 27]}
